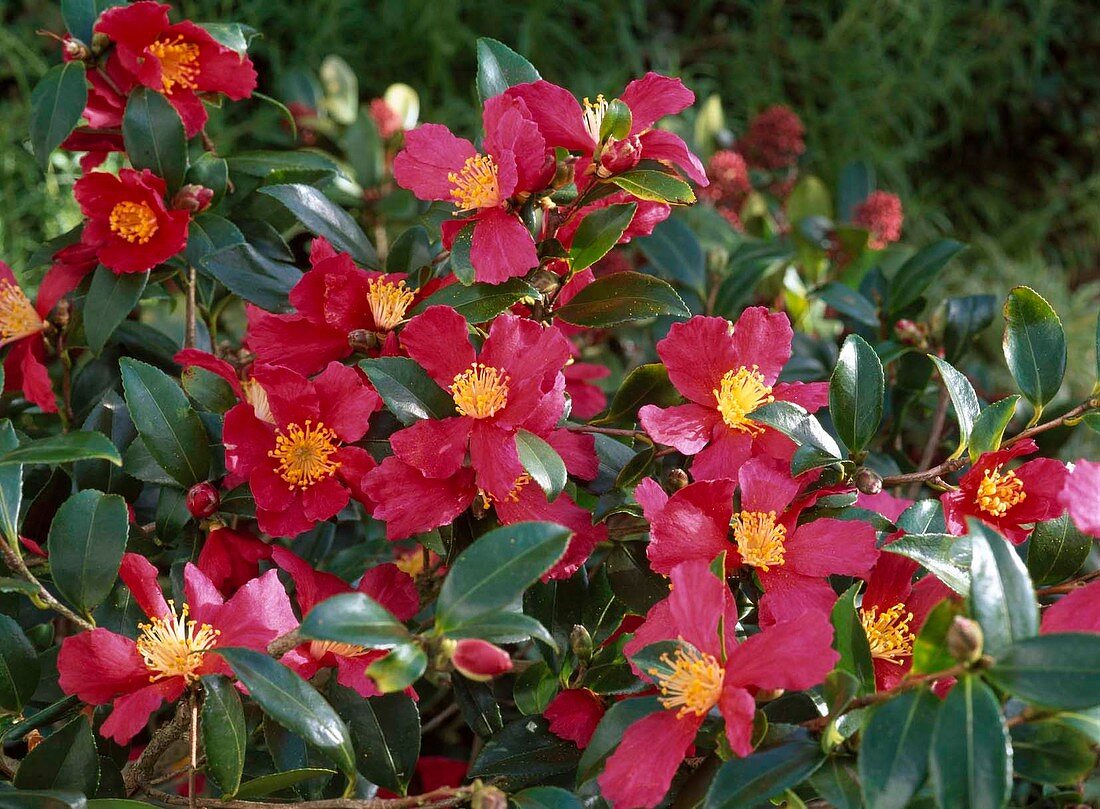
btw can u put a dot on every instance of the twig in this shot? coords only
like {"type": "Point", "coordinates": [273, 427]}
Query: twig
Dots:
{"type": "Point", "coordinates": [1069, 586]}
{"type": "Point", "coordinates": [189, 333]}
{"type": "Point", "coordinates": [439, 719]}
{"type": "Point", "coordinates": [588, 428]}
{"type": "Point", "coordinates": [1080, 410]}
{"type": "Point", "coordinates": [284, 643]}
{"type": "Point", "coordinates": [138, 773]}
{"type": "Point", "coordinates": [15, 563]}
{"type": "Point", "coordinates": [938, 423]}
{"type": "Point", "coordinates": [193, 763]}
{"type": "Point", "coordinates": [436, 799]}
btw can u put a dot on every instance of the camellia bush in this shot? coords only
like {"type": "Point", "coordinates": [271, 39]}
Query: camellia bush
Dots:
{"type": "Point", "coordinates": [382, 466]}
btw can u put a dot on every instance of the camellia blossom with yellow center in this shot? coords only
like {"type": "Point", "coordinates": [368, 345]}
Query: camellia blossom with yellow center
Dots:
{"type": "Point", "coordinates": [21, 326]}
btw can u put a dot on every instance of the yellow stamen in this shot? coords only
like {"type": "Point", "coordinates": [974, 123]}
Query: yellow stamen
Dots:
{"type": "Point", "coordinates": [759, 539]}
{"type": "Point", "coordinates": [694, 683]}
{"type": "Point", "coordinates": [319, 648]}
{"type": "Point", "coordinates": [480, 391]}
{"type": "Point", "coordinates": [134, 221]}
{"type": "Point", "coordinates": [172, 646]}
{"type": "Point", "coordinates": [487, 499]}
{"type": "Point", "coordinates": [411, 564]}
{"type": "Point", "coordinates": [475, 186]}
{"type": "Point", "coordinates": [594, 112]}
{"type": "Point", "coordinates": [888, 632]}
{"type": "Point", "coordinates": [179, 63]}
{"type": "Point", "coordinates": [999, 491]}
{"type": "Point", "coordinates": [742, 391]}
{"type": "Point", "coordinates": [17, 317]}
{"type": "Point", "coordinates": [256, 396]}
{"type": "Point", "coordinates": [388, 302]}
{"type": "Point", "coordinates": [304, 453]}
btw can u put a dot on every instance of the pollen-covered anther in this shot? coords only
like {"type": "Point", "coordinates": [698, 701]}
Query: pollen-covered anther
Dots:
{"type": "Point", "coordinates": [135, 222]}
{"type": "Point", "coordinates": [304, 453]}
{"type": "Point", "coordinates": [480, 391]}
{"type": "Point", "coordinates": [999, 491]}
{"type": "Point", "coordinates": [388, 302]}
{"type": "Point", "coordinates": [692, 681]}
{"type": "Point", "coordinates": [759, 539]}
{"type": "Point", "coordinates": [594, 112]}
{"type": "Point", "coordinates": [179, 63]}
{"type": "Point", "coordinates": [173, 646]}
{"type": "Point", "coordinates": [475, 186]}
{"type": "Point", "coordinates": [319, 648]}
{"type": "Point", "coordinates": [888, 632]}
{"type": "Point", "coordinates": [739, 394]}
{"type": "Point", "coordinates": [18, 319]}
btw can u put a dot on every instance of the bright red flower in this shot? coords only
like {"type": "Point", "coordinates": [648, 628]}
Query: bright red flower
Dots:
{"type": "Point", "coordinates": [881, 215]}
{"type": "Point", "coordinates": [1077, 612]}
{"type": "Point", "coordinates": [231, 558]}
{"type": "Point", "coordinates": [1007, 500]}
{"type": "Point", "coordinates": [181, 61]}
{"type": "Point", "coordinates": [791, 561]}
{"type": "Point", "coordinates": [574, 714]}
{"type": "Point", "coordinates": [648, 215]}
{"type": "Point", "coordinates": [1081, 496]}
{"type": "Point", "coordinates": [174, 649]}
{"type": "Point", "coordinates": [21, 327]}
{"type": "Point", "coordinates": [299, 462]}
{"type": "Point", "coordinates": [437, 165]}
{"type": "Point", "coordinates": [727, 371]}
{"type": "Point", "coordinates": [775, 139]}
{"type": "Point", "coordinates": [129, 222]}
{"type": "Point", "coordinates": [71, 265]}
{"type": "Point", "coordinates": [479, 660]}
{"type": "Point", "coordinates": [588, 399]}
{"type": "Point", "coordinates": [108, 90]}
{"type": "Point", "coordinates": [710, 670]}
{"type": "Point", "coordinates": [385, 584]}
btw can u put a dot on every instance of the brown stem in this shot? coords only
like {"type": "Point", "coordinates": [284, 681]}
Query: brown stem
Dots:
{"type": "Point", "coordinates": [193, 764]}
{"type": "Point", "coordinates": [938, 423]}
{"type": "Point", "coordinates": [588, 428]}
{"type": "Point", "coordinates": [141, 771]}
{"type": "Point", "coordinates": [1080, 410]}
{"type": "Point", "coordinates": [14, 560]}
{"type": "Point", "coordinates": [436, 799]}
{"type": "Point", "coordinates": [1069, 586]}
{"type": "Point", "coordinates": [189, 333]}
{"type": "Point", "coordinates": [284, 643]}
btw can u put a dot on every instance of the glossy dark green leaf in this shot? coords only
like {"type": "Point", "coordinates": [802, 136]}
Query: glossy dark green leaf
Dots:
{"type": "Point", "coordinates": [153, 134]}
{"type": "Point", "coordinates": [622, 297]}
{"type": "Point", "coordinates": [323, 217]}
{"type": "Point", "coordinates": [947, 557]}
{"type": "Point", "coordinates": [1034, 345]}
{"type": "Point", "coordinates": [534, 689]}
{"type": "Point", "coordinates": [923, 517]}
{"type": "Point", "coordinates": [356, 619]}
{"type": "Point", "coordinates": [19, 667]}
{"type": "Point", "coordinates": [856, 391]}
{"type": "Point", "coordinates": [111, 298]}
{"type": "Point", "coordinates": [636, 468]}
{"type": "Point", "coordinates": [836, 782]}
{"type": "Point", "coordinates": [646, 384]}
{"type": "Point", "coordinates": [930, 652]}
{"type": "Point", "coordinates": [279, 781]}
{"type": "Point", "coordinates": [655, 186]}
{"type": "Point", "coordinates": [546, 798]}
{"type": "Point", "coordinates": [409, 393]}
{"type": "Point", "coordinates": [804, 429]}
{"type": "Point", "coordinates": [747, 782]}
{"type": "Point", "coordinates": [224, 735]}
{"type": "Point", "coordinates": [675, 252]}
{"type": "Point", "coordinates": [849, 303]}
{"type": "Point", "coordinates": [964, 319]}
{"type": "Point", "coordinates": [1056, 671]}
{"type": "Point", "coordinates": [410, 251]}
{"type": "Point", "coordinates": [542, 462]}
{"type": "Point", "coordinates": [893, 759]}
{"type": "Point", "coordinates": [857, 181]}
{"type": "Point", "coordinates": [212, 172]}
{"type": "Point", "coordinates": [1056, 550]}
{"type": "Point", "coordinates": [502, 627]}
{"type": "Point", "coordinates": [248, 273]}
{"type": "Point", "coordinates": [208, 390]}
{"type": "Point", "coordinates": [479, 303]}
{"type": "Point", "coordinates": [11, 484]}
{"type": "Point", "coordinates": [499, 67]}
{"type": "Point", "coordinates": [386, 732]}
{"type": "Point", "coordinates": [598, 232]}
{"type": "Point", "coordinates": [525, 753]}
{"type": "Point", "coordinates": [462, 264]}
{"type": "Point", "coordinates": [64, 448]}
{"type": "Point", "coordinates": [971, 758]}
{"type": "Point", "coordinates": [963, 399]}
{"type": "Point", "coordinates": [1051, 752]}
{"type": "Point", "coordinates": [399, 669]}
{"type": "Point", "coordinates": [632, 580]}
{"type": "Point", "coordinates": [609, 732]}
{"type": "Point", "coordinates": [207, 234]}
{"type": "Point", "coordinates": [294, 704]}
{"type": "Point", "coordinates": [1001, 597]}
{"type": "Point", "coordinates": [478, 705]}
{"type": "Point", "coordinates": [80, 16]}
{"type": "Point", "coordinates": [170, 429]}
{"type": "Point", "coordinates": [917, 274]}
{"type": "Point", "coordinates": [57, 104]}
{"type": "Point", "coordinates": [850, 641]}
{"type": "Point", "coordinates": [989, 426]}
{"type": "Point", "coordinates": [87, 540]}
{"type": "Point", "coordinates": [65, 760]}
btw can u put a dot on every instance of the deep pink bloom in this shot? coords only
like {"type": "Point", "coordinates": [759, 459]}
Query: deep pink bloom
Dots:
{"type": "Point", "coordinates": [477, 659]}
{"type": "Point", "coordinates": [648, 215]}
{"type": "Point", "coordinates": [727, 371]}
{"type": "Point", "coordinates": [21, 327]}
{"type": "Point", "coordinates": [181, 61]}
{"type": "Point", "coordinates": [231, 558]}
{"type": "Point", "coordinates": [710, 670]}
{"type": "Point", "coordinates": [437, 165]}
{"type": "Point", "coordinates": [588, 399]}
{"type": "Point", "coordinates": [1077, 612]}
{"type": "Point", "coordinates": [775, 139]}
{"type": "Point", "coordinates": [574, 714]}
{"type": "Point", "coordinates": [1081, 496]}
{"type": "Point", "coordinates": [730, 185]}
{"type": "Point", "coordinates": [174, 649]}
{"type": "Point", "coordinates": [885, 504]}
{"type": "Point", "coordinates": [1010, 501]}
{"type": "Point", "coordinates": [299, 461]}
{"type": "Point", "coordinates": [881, 216]}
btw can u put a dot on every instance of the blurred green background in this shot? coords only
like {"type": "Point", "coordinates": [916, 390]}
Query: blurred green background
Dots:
{"type": "Point", "coordinates": [983, 116]}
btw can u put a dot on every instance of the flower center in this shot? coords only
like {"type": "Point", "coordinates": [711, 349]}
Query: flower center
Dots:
{"type": "Point", "coordinates": [319, 648]}
{"type": "Point", "coordinates": [487, 499]}
{"type": "Point", "coordinates": [888, 632]}
{"type": "Point", "coordinates": [256, 396]}
{"type": "Point", "coordinates": [411, 564]}
{"type": "Point", "coordinates": [694, 683]}
{"type": "Point", "coordinates": [998, 492]}
{"type": "Point", "coordinates": [388, 302]}
{"type": "Point", "coordinates": [172, 646]}
{"type": "Point", "coordinates": [480, 391]}
{"type": "Point", "coordinates": [741, 392]}
{"type": "Point", "coordinates": [134, 221]}
{"type": "Point", "coordinates": [304, 453]}
{"type": "Point", "coordinates": [759, 539]}
{"type": "Point", "coordinates": [17, 317]}
{"type": "Point", "coordinates": [594, 111]}
{"type": "Point", "coordinates": [476, 185]}
{"type": "Point", "coordinates": [179, 63]}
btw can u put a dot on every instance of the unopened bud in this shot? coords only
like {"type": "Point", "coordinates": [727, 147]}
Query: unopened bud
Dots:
{"type": "Point", "coordinates": [545, 280]}
{"type": "Point", "coordinates": [202, 500]}
{"type": "Point", "coordinates": [677, 479]}
{"type": "Point", "coordinates": [362, 340]}
{"type": "Point", "coordinates": [480, 660]}
{"type": "Point", "coordinates": [910, 333]}
{"type": "Point", "coordinates": [100, 43]}
{"type": "Point", "coordinates": [486, 797]}
{"type": "Point", "coordinates": [76, 50]}
{"type": "Point", "coordinates": [581, 643]}
{"type": "Point", "coordinates": [965, 640]}
{"type": "Point", "coordinates": [619, 156]}
{"type": "Point", "coordinates": [768, 696]}
{"type": "Point", "coordinates": [563, 174]}
{"type": "Point", "coordinates": [193, 198]}
{"type": "Point", "coordinates": [868, 481]}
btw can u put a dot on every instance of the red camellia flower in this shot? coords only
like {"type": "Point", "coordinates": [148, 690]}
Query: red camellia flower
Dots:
{"type": "Point", "coordinates": [1007, 500]}
{"type": "Point", "coordinates": [792, 561]}
{"type": "Point", "coordinates": [479, 660]}
{"type": "Point", "coordinates": [1081, 496]}
{"type": "Point", "coordinates": [775, 139]}
{"type": "Point", "coordinates": [1077, 612]}
{"type": "Point", "coordinates": [174, 649]}
{"type": "Point", "coordinates": [232, 558]}
{"type": "Point", "coordinates": [181, 61]}
{"type": "Point", "coordinates": [299, 461]}
{"type": "Point", "coordinates": [730, 184]}
{"type": "Point", "coordinates": [129, 223]}
{"type": "Point", "coordinates": [574, 714]}
{"type": "Point", "coordinates": [437, 165]}
{"type": "Point", "coordinates": [727, 371]}
{"type": "Point", "coordinates": [21, 327]}
{"type": "Point", "coordinates": [881, 215]}
{"type": "Point", "coordinates": [709, 669]}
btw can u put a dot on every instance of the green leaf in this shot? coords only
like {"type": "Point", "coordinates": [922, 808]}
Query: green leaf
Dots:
{"type": "Point", "coordinates": [525, 753]}
{"type": "Point", "coordinates": [622, 297]}
{"type": "Point", "coordinates": [1034, 345]}
{"type": "Point", "coordinates": [1051, 752]}
{"type": "Point", "coordinates": [354, 618]}
{"type": "Point", "coordinates": [805, 430]}
{"type": "Point", "coordinates": [170, 429]}
{"type": "Point", "coordinates": [609, 732]}
{"type": "Point", "coordinates": [946, 557]}
{"type": "Point", "coordinates": [208, 390]}
{"type": "Point", "coordinates": [893, 756]}
{"type": "Point", "coordinates": [503, 627]}
{"type": "Point", "coordinates": [1002, 598]}
{"type": "Point", "coordinates": [251, 275]}
{"type": "Point", "coordinates": [399, 669]}
{"type": "Point", "coordinates": [850, 640]}
{"type": "Point", "coordinates": [57, 104]}
{"type": "Point", "coordinates": [323, 217]}
{"type": "Point", "coordinates": [409, 393]}
{"type": "Point", "coordinates": [989, 426]}
{"type": "Point", "coordinates": [279, 781]}
{"type": "Point", "coordinates": [617, 121]}
{"type": "Point", "coordinates": [546, 798]}
{"type": "Point", "coordinates": [19, 667]}
{"type": "Point", "coordinates": [655, 186]}
{"type": "Point", "coordinates": [542, 462]}
{"type": "Point", "coordinates": [598, 233]}
{"type": "Point", "coordinates": [675, 252]}
{"type": "Point", "coordinates": [495, 570]}
{"type": "Point", "coordinates": [80, 17]}
{"type": "Point", "coordinates": [64, 760]}
{"type": "Point", "coordinates": [479, 302]}
{"type": "Point", "coordinates": [111, 298]}
{"type": "Point", "coordinates": [1056, 550]}
{"type": "Point", "coordinates": [963, 398]}
{"type": "Point", "coordinates": [499, 67]}
{"type": "Point", "coordinates": [153, 134]}
{"type": "Point", "coordinates": [748, 782]}
{"type": "Point", "coordinates": [224, 734]}
{"type": "Point", "coordinates": [1056, 671]}
{"type": "Point", "coordinates": [65, 448]}
{"type": "Point", "coordinates": [11, 485]}
{"type": "Point", "coordinates": [535, 688]}
{"type": "Point", "coordinates": [410, 251]}
{"type": "Point", "coordinates": [971, 760]}
{"type": "Point", "coordinates": [386, 731]}
{"type": "Point", "coordinates": [646, 384]}
{"type": "Point", "coordinates": [964, 319]}
{"type": "Point", "coordinates": [42, 799]}
{"type": "Point", "coordinates": [857, 181]}
{"type": "Point", "coordinates": [848, 302]}
{"type": "Point", "coordinates": [478, 706]}
{"type": "Point", "coordinates": [462, 264]}
{"type": "Point", "coordinates": [294, 704]}
{"type": "Point", "coordinates": [809, 198]}
{"type": "Point", "coordinates": [86, 542]}
{"type": "Point", "coordinates": [917, 274]}
{"type": "Point", "coordinates": [836, 782]}
{"type": "Point", "coordinates": [856, 390]}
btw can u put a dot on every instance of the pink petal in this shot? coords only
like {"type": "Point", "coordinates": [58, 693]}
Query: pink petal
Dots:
{"type": "Point", "coordinates": [724, 456]}
{"type": "Point", "coordinates": [885, 504]}
{"type": "Point", "coordinates": [355, 464]}
{"type": "Point", "coordinates": [578, 450]}
{"type": "Point", "coordinates": [693, 525]}
{"type": "Point", "coordinates": [495, 460]}
{"type": "Point", "coordinates": [393, 589]}
{"type": "Point", "coordinates": [738, 708]}
{"type": "Point", "coordinates": [792, 655]}
{"type": "Point", "coordinates": [99, 665]}
{"type": "Point", "coordinates": [311, 587]}
{"type": "Point", "coordinates": [763, 339]}
{"type": "Point", "coordinates": [502, 247]}
{"type": "Point", "coordinates": [574, 714]}
{"type": "Point", "coordinates": [1077, 612]}
{"type": "Point", "coordinates": [530, 504]}
{"type": "Point", "coordinates": [201, 595]}
{"type": "Point", "coordinates": [557, 113]}
{"type": "Point", "coordinates": [131, 712]}
{"type": "Point", "coordinates": [431, 153]}
{"type": "Point", "coordinates": [256, 614]}
{"type": "Point", "coordinates": [766, 486]}
{"type": "Point", "coordinates": [687, 428]}
{"type": "Point", "coordinates": [324, 499]}
{"type": "Point", "coordinates": [1081, 496]}
{"type": "Point", "coordinates": [654, 96]}
{"type": "Point", "coordinates": [699, 352]}
{"type": "Point", "coordinates": [788, 595]}
{"type": "Point", "coordinates": [194, 358]}
{"type": "Point", "coordinates": [638, 774]}
{"type": "Point", "coordinates": [351, 672]}
{"type": "Point", "coordinates": [437, 447]}
{"type": "Point", "coordinates": [346, 402]}
{"type": "Point", "coordinates": [1044, 480]}
{"type": "Point", "coordinates": [827, 546]}
{"type": "Point", "coordinates": [696, 603]}
{"type": "Point", "coordinates": [890, 582]}
{"type": "Point", "coordinates": [658, 144]}
{"type": "Point", "coordinates": [651, 497]}
{"type": "Point", "coordinates": [410, 503]}
{"type": "Point", "coordinates": [510, 129]}
{"type": "Point", "coordinates": [247, 440]}
{"type": "Point", "coordinates": [293, 341]}
{"type": "Point", "coordinates": [811, 395]}
{"type": "Point", "coordinates": [140, 576]}
{"type": "Point", "coordinates": [438, 340]}
{"type": "Point", "coordinates": [290, 395]}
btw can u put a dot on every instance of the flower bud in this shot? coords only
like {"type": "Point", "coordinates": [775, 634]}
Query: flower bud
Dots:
{"type": "Point", "coordinates": [768, 696]}
{"type": "Point", "coordinates": [545, 280]}
{"type": "Point", "coordinates": [76, 50]}
{"type": "Point", "coordinates": [202, 500]}
{"type": "Point", "coordinates": [910, 333]}
{"type": "Point", "coordinates": [480, 660]}
{"type": "Point", "coordinates": [868, 481]}
{"type": "Point", "coordinates": [193, 198]}
{"type": "Point", "coordinates": [677, 479]}
{"type": "Point", "coordinates": [619, 156]}
{"type": "Point", "coordinates": [581, 643]}
{"type": "Point", "coordinates": [100, 43]}
{"type": "Point", "coordinates": [362, 340]}
{"type": "Point", "coordinates": [965, 640]}
{"type": "Point", "coordinates": [563, 174]}
{"type": "Point", "coordinates": [486, 797]}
